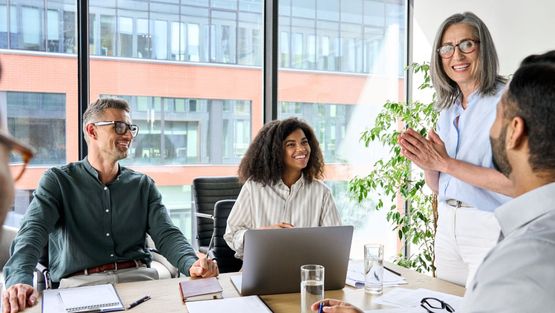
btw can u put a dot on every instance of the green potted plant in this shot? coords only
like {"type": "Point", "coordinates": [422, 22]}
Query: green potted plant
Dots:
{"type": "Point", "coordinates": [393, 178]}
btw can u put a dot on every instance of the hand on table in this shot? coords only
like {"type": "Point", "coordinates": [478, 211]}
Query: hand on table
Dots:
{"type": "Point", "coordinates": [204, 267]}
{"type": "Point", "coordinates": [19, 297]}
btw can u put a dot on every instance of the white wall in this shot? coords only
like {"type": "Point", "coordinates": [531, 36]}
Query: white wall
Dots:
{"type": "Point", "coordinates": [518, 27]}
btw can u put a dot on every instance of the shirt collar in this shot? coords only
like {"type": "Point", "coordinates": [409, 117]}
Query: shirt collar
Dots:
{"type": "Point", "coordinates": [472, 98]}
{"type": "Point", "coordinates": [91, 170]}
{"type": "Point", "coordinates": [298, 184]}
{"type": "Point", "coordinates": [526, 208]}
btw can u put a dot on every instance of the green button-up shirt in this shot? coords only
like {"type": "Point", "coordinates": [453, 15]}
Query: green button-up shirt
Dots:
{"type": "Point", "coordinates": [88, 224]}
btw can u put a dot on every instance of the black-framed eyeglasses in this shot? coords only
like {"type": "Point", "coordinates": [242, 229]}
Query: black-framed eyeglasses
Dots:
{"type": "Point", "coordinates": [18, 151]}
{"type": "Point", "coordinates": [465, 46]}
{"type": "Point", "coordinates": [433, 305]}
{"type": "Point", "coordinates": [120, 127]}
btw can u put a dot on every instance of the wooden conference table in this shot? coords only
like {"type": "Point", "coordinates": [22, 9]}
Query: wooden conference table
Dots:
{"type": "Point", "coordinates": [166, 298]}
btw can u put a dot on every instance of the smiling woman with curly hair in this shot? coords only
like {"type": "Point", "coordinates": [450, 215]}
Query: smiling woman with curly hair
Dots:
{"type": "Point", "coordinates": [281, 172]}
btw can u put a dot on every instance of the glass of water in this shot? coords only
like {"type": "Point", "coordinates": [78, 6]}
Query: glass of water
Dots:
{"type": "Point", "coordinates": [312, 285]}
{"type": "Point", "coordinates": [373, 268]}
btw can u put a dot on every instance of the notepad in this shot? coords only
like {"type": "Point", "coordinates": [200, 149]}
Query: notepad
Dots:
{"type": "Point", "coordinates": [99, 298]}
{"type": "Point", "coordinates": [250, 304]}
{"type": "Point", "coordinates": [200, 289]}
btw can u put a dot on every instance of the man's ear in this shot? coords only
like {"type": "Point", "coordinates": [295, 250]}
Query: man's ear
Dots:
{"type": "Point", "coordinates": [91, 131]}
{"type": "Point", "coordinates": [516, 134]}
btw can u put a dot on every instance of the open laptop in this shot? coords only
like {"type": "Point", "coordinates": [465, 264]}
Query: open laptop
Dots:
{"type": "Point", "coordinates": [272, 258]}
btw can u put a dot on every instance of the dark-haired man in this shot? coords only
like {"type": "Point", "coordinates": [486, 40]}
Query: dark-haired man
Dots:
{"type": "Point", "coordinates": [95, 215]}
{"type": "Point", "coordinates": [518, 274]}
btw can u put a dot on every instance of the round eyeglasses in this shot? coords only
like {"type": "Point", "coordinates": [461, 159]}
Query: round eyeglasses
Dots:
{"type": "Point", "coordinates": [20, 155]}
{"type": "Point", "coordinates": [120, 127]}
{"type": "Point", "coordinates": [465, 46]}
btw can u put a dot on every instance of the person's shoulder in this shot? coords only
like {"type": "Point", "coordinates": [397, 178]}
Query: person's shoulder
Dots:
{"type": "Point", "coordinates": [66, 169]}
{"type": "Point", "coordinates": [132, 175]}
{"type": "Point", "coordinates": [250, 184]}
{"type": "Point", "coordinates": [532, 247]}
{"type": "Point", "coordinates": [317, 184]}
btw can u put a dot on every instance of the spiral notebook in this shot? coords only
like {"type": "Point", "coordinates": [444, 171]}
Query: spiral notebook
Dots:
{"type": "Point", "coordinates": [99, 298]}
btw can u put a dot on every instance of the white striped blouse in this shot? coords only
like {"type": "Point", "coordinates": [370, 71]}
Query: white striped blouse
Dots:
{"type": "Point", "coordinates": [304, 205]}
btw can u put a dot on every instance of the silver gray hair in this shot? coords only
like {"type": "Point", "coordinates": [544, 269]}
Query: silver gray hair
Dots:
{"type": "Point", "coordinates": [488, 64]}
{"type": "Point", "coordinates": [97, 108]}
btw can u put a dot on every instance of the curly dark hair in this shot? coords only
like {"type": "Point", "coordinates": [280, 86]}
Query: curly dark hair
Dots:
{"type": "Point", "coordinates": [263, 162]}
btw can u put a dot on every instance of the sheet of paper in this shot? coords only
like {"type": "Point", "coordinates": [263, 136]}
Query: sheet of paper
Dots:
{"type": "Point", "coordinates": [51, 302]}
{"type": "Point", "coordinates": [250, 304]}
{"type": "Point", "coordinates": [355, 276]}
{"type": "Point", "coordinates": [410, 298]}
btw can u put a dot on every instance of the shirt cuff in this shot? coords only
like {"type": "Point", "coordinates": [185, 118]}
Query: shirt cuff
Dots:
{"type": "Point", "coordinates": [238, 242]}
{"type": "Point", "coordinates": [19, 279]}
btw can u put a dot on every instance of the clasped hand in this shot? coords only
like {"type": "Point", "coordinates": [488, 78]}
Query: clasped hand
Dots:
{"type": "Point", "coordinates": [427, 153]}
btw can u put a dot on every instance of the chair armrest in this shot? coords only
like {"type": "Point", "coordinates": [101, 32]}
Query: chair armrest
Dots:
{"type": "Point", "coordinates": [158, 257]}
{"type": "Point", "coordinates": [43, 277]}
{"type": "Point", "coordinates": [204, 215]}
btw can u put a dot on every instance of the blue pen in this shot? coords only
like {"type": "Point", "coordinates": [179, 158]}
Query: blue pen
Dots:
{"type": "Point", "coordinates": [321, 308]}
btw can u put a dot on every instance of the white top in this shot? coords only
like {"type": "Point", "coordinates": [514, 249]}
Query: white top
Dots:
{"type": "Point", "coordinates": [304, 205]}
{"type": "Point", "coordinates": [518, 274]}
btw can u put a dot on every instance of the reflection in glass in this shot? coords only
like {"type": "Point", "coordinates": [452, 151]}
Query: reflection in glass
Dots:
{"type": "Point", "coordinates": [189, 131]}
{"type": "Point", "coordinates": [329, 121]}
{"type": "Point", "coordinates": [39, 120]}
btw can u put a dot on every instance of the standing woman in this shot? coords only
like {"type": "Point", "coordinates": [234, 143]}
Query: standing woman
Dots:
{"type": "Point", "coordinates": [457, 160]}
{"type": "Point", "coordinates": [281, 172]}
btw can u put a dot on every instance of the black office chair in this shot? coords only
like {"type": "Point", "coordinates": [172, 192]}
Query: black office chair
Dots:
{"type": "Point", "coordinates": [218, 248]}
{"type": "Point", "coordinates": [206, 192]}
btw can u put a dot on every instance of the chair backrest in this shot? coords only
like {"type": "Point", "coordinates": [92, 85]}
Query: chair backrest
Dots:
{"type": "Point", "coordinates": [206, 192]}
{"type": "Point", "coordinates": [219, 249]}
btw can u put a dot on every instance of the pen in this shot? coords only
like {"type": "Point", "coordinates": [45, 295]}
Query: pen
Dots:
{"type": "Point", "coordinates": [141, 300]}
{"type": "Point", "coordinates": [321, 308]}
{"type": "Point", "coordinates": [392, 271]}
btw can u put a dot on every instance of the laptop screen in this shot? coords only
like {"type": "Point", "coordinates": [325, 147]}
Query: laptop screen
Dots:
{"type": "Point", "coordinates": [273, 257]}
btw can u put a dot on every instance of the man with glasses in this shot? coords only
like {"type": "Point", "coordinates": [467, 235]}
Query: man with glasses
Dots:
{"type": "Point", "coordinates": [95, 215]}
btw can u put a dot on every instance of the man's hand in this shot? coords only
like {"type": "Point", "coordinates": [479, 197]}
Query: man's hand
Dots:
{"type": "Point", "coordinates": [277, 226]}
{"type": "Point", "coordinates": [204, 267]}
{"type": "Point", "coordinates": [335, 306]}
{"type": "Point", "coordinates": [19, 297]}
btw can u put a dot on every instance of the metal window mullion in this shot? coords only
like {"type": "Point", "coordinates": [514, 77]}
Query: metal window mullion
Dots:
{"type": "Point", "coordinates": [270, 68]}
{"type": "Point", "coordinates": [82, 70]}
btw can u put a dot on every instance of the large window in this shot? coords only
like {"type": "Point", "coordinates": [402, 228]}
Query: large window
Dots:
{"type": "Point", "coordinates": [192, 72]}
{"type": "Point", "coordinates": [196, 109]}
{"type": "Point", "coordinates": [189, 131]}
{"type": "Point", "coordinates": [39, 120]}
{"type": "Point", "coordinates": [329, 121]}
{"type": "Point", "coordinates": [363, 40]}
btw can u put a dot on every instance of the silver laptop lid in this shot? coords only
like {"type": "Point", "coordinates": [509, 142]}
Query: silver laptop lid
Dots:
{"type": "Point", "coordinates": [273, 257]}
